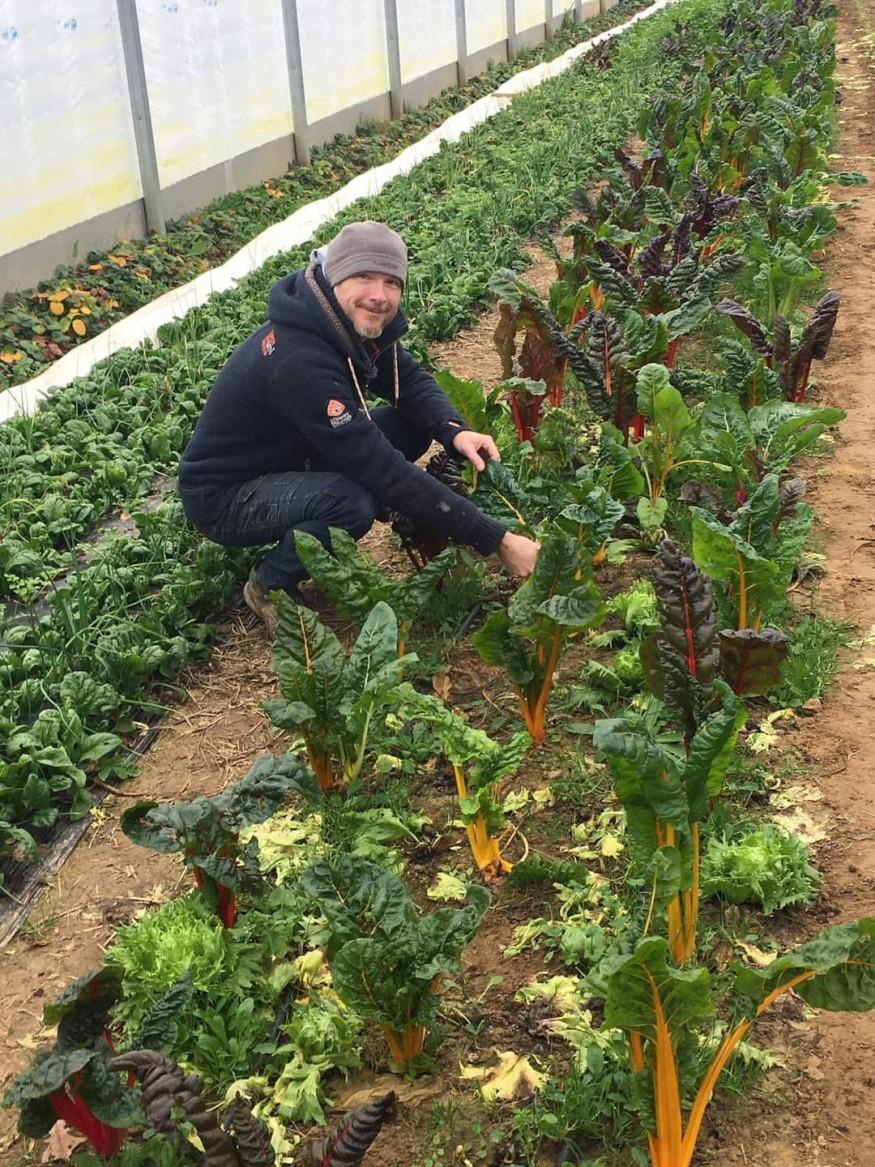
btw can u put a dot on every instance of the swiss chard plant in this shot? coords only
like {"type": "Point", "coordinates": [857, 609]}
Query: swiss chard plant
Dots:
{"type": "Point", "coordinates": [479, 764]}
{"type": "Point", "coordinates": [207, 830]}
{"type": "Point", "coordinates": [355, 582]}
{"type": "Point", "coordinates": [73, 1080]}
{"type": "Point", "coordinates": [386, 959]}
{"type": "Point", "coordinates": [790, 358]}
{"type": "Point", "coordinates": [329, 697]}
{"type": "Point", "coordinates": [528, 637]}
{"type": "Point", "coordinates": [663, 1010]}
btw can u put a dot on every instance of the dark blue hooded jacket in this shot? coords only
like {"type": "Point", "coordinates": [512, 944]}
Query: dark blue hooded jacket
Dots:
{"type": "Point", "coordinates": [287, 400]}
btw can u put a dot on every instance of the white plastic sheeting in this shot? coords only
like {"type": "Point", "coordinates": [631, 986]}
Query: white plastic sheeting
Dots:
{"type": "Point", "coordinates": [560, 7]}
{"type": "Point", "coordinates": [66, 140]}
{"type": "Point", "coordinates": [485, 23]}
{"type": "Point", "coordinates": [291, 232]}
{"type": "Point", "coordinates": [218, 80]}
{"type": "Point", "coordinates": [427, 35]}
{"type": "Point", "coordinates": [343, 49]}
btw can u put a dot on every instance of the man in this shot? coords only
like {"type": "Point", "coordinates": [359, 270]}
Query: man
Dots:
{"type": "Point", "coordinates": [286, 441]}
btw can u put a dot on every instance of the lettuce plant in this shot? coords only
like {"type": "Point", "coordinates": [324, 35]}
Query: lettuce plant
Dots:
{"type": "Point", "coordinates": [206, 830]}
{"type": "Point", "coordinates": [528, 637]}
{"type": "Point", "coordinates": [328, 697]}
{"type": "Point", "coordinates": [355, 582]}
{"type": "Point", "coordinates": [661, 1008]}
{"type": "Point", "coordinates": [386, 960]}
{"type": "Point", "coordinates": [763, 864]}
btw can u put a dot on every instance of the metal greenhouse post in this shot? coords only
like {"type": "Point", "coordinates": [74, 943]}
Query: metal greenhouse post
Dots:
{"type": "Point", "coordinates": [512, 46]}
{"type": "Point", "coordinates": [548, 19]}
{"type": "Point", "coordinates": [393, 51]}
{"type": "Point", "coordinates": [462, 42]}
{"type": "Point", "coordinates": [296, 82]}
{"type": "Point", "coordinates": [139, 94]}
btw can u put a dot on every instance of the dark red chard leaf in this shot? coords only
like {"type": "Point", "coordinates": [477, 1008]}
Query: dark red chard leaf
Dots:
{"type": "Point", "coordinates": [688, 654]}
{"type": "Point", "coordinates": [790, 495]}
{"type": "Point", "coordinates": [348, 1142]}
{"type": "Point", "coordinates": [166, 1087]}
{"type": "Point", "coordinates": [251, 1135]}
{"type": "Point", "coordinates": [681, 247]}
{"type": "Point", "coordinates": [650, 260]}
{"type": "Point", "coordinates": [631, 167]}
{"type": "Point", "coordinates": [538, 362]}
{"type": "Point", "coordinates": [751, 660]}
{"type": "Point", "coordinates": [613, 257]}
{"type": "Point", "coordinates": [824, 317]}
{"type": "Point", "coordinates": [747, 324]}
{"type": "Point", "coordinates": [780, 342]}
{"type": "Point", "coordinates": [504, 337]}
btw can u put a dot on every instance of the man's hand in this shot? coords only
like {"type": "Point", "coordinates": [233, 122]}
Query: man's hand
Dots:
{"type": "Point", "coordinates": [518, 554]}
{"type": "Point", "coordinates": [477, 448]}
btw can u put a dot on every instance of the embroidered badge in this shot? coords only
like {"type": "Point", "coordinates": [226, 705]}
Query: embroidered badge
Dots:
{"type": "Point", "coordinates": [335, 408]}
{"type": "Point", "coordinates": [268, 344]}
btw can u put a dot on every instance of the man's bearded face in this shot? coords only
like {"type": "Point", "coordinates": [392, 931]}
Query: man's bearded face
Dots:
{"type": "Point", "coordinates": [370, 300]}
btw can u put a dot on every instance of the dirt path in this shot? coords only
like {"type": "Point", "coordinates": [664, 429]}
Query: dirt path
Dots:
{"type": "Point", "coordinates": [830, 1119]}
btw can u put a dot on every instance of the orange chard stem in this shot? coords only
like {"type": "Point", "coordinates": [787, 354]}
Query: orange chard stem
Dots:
{"type": "Point", "coordinates": [537, 727]}
{"type": "Point", "coordinates": [727, 1049]}
{"type": "Point", "coordinates": [666, 1090]}
{"type": "Point", "coordinates": [742, 592]}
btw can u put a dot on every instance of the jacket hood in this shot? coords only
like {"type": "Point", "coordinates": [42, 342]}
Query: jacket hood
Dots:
{"type": "Point", "coordinates": [305, 300]}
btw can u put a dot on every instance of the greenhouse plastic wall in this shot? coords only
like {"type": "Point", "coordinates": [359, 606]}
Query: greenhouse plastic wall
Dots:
{"type": "Point", "coordinates": [120, 114]}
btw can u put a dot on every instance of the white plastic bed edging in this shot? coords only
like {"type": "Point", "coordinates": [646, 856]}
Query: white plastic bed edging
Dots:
{"type": "Point", "coordinates": [297, 229]}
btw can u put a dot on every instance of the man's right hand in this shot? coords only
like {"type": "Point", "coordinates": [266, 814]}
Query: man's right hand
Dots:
{"type": "Point", "coordinates": [518, 554]}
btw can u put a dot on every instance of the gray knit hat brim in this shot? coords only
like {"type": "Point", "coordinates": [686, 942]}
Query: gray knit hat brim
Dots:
{"type": "Point", "coordinates": [362, 247]}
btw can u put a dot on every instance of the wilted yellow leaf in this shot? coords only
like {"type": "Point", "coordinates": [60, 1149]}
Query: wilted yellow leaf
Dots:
{"type": "Point", "coordinates": [79, 327]}
{"type": "Point", "coordinates": [118, 260]}
{"type": "Point", "coordinates": [95, 267]}
{"type": "Point", "coordinates": [10, 358]}
{"type": "Point", "coordinates": [447, 887]}
{"type": "Point", "coordinates": [85, 310]}
{"type": "Point", "coordinates": [56, 308]}
{"type": "Point", "coordinates": [610, 847]}
{"type": "Point", "coordinates": [514, 1079]}
{"type": "Point", "coordinates": [57, 297]}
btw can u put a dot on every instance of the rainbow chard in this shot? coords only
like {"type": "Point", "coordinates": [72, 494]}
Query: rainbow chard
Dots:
{"type": "Point", "coordinates": [206, 830]}
{"type": "Point", "coordinates": [330, 698]}
{"type": "Point", "coordinates": [666, 800]}
{"type": "Point", "coordinates": [74, 1080]}
{"type": "Point", "coordinates": [682, 661]}
{"type": "Point", "coordinates": [479, 764]}
{"type": "Point", "coordinates": [527, 638]}
{"type": "Point", "coordinates": [538, 358]}
{"type": "Point", "coordinates": [355, 582]}
{"type": "Point", "coordinates": [790, 359]}
{"type": "Point", "coordinates": [662, 1010]}
{"type": "Point", "coordinates": [348, 1143]}
{"type": "Point", "coordinates": [167, 1091]}
{"type": "Point", "coordinates": [386, 960]}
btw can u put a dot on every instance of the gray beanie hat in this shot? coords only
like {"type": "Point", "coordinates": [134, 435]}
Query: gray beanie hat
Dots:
{"type": "Point", "coordinates": [366, 246]}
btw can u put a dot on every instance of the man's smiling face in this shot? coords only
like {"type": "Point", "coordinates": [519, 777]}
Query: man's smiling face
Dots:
{"type": "Point", "coordinates": [370, 299]}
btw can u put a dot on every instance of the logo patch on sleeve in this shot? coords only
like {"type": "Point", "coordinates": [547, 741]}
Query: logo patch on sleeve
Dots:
{"type": "Point", "coordinates": [338, 414]}
{"type": "Point", "coordinates": [268, 343]}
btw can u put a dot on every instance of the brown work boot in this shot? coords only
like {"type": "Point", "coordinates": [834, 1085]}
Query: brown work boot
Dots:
{"type": "Point", "coordinates": [258, 600]}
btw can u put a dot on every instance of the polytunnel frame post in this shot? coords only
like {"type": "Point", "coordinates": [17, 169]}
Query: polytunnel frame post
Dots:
{"type": "Point", "coordinates": [393, 55]}
{"type": "Point", "coordinates": [462, 42]}
{"type": "Point", "coordinates": [300, 136]}
{"type": "Point", "coordinates": [512, 38]}
{"type": "Point", "coordinates": [135, 74]}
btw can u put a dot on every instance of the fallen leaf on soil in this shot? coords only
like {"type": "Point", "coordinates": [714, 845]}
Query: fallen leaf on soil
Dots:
{"type": "Point", "coordinates": [561, 991]}
{"type": "Point", "coordinates": [793, 795]}
{"type": "Point", "coordinates": [865, 662]}
{"type": "Point", "coordinates": [611, 847]}
{"type": "Point", "coordinates": [442, 685]}
{"type": "Point", "coordinates": [61, 1143]}
{"type": "Point", "coordinates": [447, 887]}
{"type": "Point", "coordinates": [765, 737]}
{"type": "Point", "coordinates": [801, 823]}
{"type": "Point", "coordinates": [514, 1079]}
{"type": "Point", "coordinates": [408, 1093]}
{"type": "Point", "coordinates": [756, 955]}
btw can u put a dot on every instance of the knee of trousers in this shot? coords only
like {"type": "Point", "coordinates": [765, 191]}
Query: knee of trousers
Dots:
{"type": "Point", "coordinates": [351, 507]}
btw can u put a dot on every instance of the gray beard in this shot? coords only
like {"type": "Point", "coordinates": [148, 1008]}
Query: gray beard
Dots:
{"type": "Point", "coordinates": [368, 333]}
